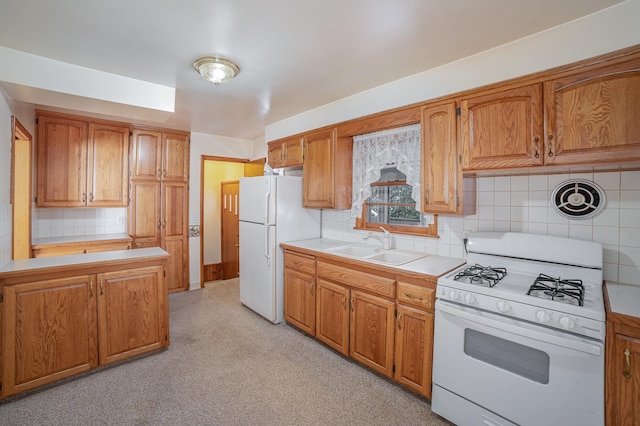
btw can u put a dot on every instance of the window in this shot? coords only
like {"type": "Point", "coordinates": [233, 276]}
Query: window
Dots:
{"type": "Point", "coordinates": [386, 180]}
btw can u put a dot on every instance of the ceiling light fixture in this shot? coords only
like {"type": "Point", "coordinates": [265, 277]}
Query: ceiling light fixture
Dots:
{"type": "Point", "coordinates": [216, 69]}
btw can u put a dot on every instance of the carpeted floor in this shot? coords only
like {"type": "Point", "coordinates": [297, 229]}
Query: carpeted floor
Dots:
{"type": "Point", "coordinates": [225, 366]}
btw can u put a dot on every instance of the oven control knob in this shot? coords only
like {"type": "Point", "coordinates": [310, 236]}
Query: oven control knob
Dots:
{"type": "Point", "coordinates": [543, 316]}
{"type": "Point", "coordinates": [469, 298]}
{"type": "Point", "coordinates": [503, 306]}
{"type": "Point", "coordinates": [454, 295]}
{"type": "Point", "coordinates": [567, 323]}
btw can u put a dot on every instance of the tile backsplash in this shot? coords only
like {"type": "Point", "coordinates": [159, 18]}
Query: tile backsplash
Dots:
{"type": "Point", "coordinates": [522, 204]}
{"type": "Point", "coordinates": [80, 221]}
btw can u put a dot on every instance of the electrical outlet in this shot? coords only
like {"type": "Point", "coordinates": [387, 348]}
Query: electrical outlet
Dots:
{"type": "Point", "coordinates": [120, 220]}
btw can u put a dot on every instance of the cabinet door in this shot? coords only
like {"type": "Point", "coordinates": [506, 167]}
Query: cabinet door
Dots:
{"type": "Point", "coordinates": [146, 155]}
{"type": "Point", "coordinates": [332, 315]}
{"type": "Point", "coordinates": [108, 165]}
{"type": "Point", "coordinates": [623, 406]}
{"type": "Point", "coordinates": [414, 349]}
{"type": "Point", "coordinates": [593, 116]}
{"type": "Point", "coordinates": [61, 179]}
{"type": "Point", "coordinates": [318, 170]}
{"type": "Point", "coordinates": [275, 155]}
{"type": "Point", "coordinates": [175, 157]}
{"type": "Point", "coordinates": [50, 332]}
{"type": "Point", "coordinates": [441, 171]}
{"type": "Point", "coordinates": [503, 130]}
{"type": "Point", "coordinates": [292, 152]}
{"type": "Point", "coordinates": [175, 199]}
{"type": "Point", "coordinates": [372, 331]}
{"type": "Point", "coordinates": [300, 300]}
{"type": "Point", "coordinates": [132, 313]}
{"type": "Point", "coordinates": [144, 213]}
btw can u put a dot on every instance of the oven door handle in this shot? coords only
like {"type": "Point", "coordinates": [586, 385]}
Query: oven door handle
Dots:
{"type": "Point", "coordinates": [582, 346]}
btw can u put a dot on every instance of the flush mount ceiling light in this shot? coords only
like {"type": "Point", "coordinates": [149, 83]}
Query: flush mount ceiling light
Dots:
{"type": "Point", "coordinates": [216, 69]}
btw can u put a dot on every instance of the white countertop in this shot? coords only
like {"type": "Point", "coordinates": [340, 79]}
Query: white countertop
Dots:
{"type": "Point", "coordinates": [79, 239]}
{"type": "Point", "coordinates": [430, 265]}
{"type": "Point", "coordinates": [81, 259]}
{"type": "Point", "coordinates": [624, 298]}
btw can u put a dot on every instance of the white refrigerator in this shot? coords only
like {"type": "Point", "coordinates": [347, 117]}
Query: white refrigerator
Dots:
{"type": "Point", "coordinates": [271, 213]}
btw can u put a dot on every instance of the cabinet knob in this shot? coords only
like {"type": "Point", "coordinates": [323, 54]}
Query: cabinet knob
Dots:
{"type": "Point", "coordinates": [159, 173]}
{"type": "Point", "coordinates": [536, 141]}
{"type": "Point", "coordinates": [550, 143]}
{"type": "Point", "coordinates": [627, 364]}
{"type": "Point", "coordinates": [399, 323]}
{"type": "Point", "coordinates": [84, 197]}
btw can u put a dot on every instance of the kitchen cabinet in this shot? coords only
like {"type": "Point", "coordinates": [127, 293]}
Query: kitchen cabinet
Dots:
{"type": "Point", "coordinates": [502, 129]}
{"type": "Point", "coordinates": [158, 212]}
{"type": "Point", "coordinates": [414, 333]}
{"type": "Point", "coordinates": [622, 369]}
{"type": "Point", "coordinates": [442, 180]}
{"type": "Point", "coordinates": [592, 116]}
{"type": "Point", "coordinates": [80, 247]}
{"type": "Point", "coordinates": [62, 321]}
{"type": "Point", "coordinates": [132, 311]}
{"type": "Point", "coordinates": [157, 155]}
{"type": "Point", "coordinates": [326, 170]}
{"type": "Point", "coordinates": [299, 291]}
{"type": "Point", "coordinates": [351, 315]}
{"type": "Point", "coordinates": [81, 163]}
{"type": "Point", "coordinates": [285, 153]}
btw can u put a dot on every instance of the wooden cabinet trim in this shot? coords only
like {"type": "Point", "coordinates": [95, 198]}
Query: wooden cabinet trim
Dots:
{"type": "Point", "coordinates": [367, 280]}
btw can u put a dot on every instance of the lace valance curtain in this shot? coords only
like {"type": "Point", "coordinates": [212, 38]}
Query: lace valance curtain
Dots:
{"type": "Point", "coordinates": [398, 147]}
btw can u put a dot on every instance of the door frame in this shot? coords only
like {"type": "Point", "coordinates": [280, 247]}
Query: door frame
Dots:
{"type": "Point", "coordinates": [249, 170]}
{"type": "Point", "coordinates": [21, 206]}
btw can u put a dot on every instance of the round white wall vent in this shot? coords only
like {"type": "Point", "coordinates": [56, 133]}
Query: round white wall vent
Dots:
{"type": "Point", "coordinates": [578, 199]}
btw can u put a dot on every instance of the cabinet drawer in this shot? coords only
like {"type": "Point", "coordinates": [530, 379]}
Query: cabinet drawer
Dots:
{"type": "Point", "coordinates": [48, 250]}
{"type": "Point", "coordinates": [300, 262]}
{"type": "Point", "coordinates": [377, 284]}
{"type": "Point", "coordinates": [415, 295]}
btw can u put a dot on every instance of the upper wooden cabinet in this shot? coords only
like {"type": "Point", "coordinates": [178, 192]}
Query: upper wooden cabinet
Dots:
{"type": "Point", "coordinates": [81, 163]}
{"type": "Point", "coordinates": [285, 153]}
{"type": "Point", "coordinates": [159, 156]}
{"type": "Point", "coordinates": [327, 170]}
{"type": "Point", "coordinates": [594, 116]}
{"type": "Point", "coordinates": [502, 129]}
{"type": "Point", "coordinates": [441, 169]}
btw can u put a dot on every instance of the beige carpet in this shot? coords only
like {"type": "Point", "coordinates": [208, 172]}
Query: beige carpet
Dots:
{"type": "Point", "coordinates": [225, 366]}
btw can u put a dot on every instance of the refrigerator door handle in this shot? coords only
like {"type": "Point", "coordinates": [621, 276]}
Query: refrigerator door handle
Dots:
{"type": "Point", "coordinates": [266, 207]}
{"type": "Point", "coordinates": [266, 245]}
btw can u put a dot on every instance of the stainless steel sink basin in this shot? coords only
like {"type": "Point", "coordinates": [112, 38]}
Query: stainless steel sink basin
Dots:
{"type": "Point", "coordinates": [376, 254]}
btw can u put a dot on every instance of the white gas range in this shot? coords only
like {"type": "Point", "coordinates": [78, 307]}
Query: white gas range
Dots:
{"type": "Point", "coordinates": [521, 326]}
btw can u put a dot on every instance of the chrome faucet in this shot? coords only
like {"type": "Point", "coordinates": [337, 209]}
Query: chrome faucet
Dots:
{"type": "Point", "coordinates": [385, 239]}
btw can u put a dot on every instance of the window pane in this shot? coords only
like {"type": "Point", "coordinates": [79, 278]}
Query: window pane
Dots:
{"type": "Point", "coordinates": [378, 194]}
{"type": "Point", "coordinates": [400, 194]}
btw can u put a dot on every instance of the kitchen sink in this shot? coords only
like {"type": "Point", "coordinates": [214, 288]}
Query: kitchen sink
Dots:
{"type": "Point", "coordinates": [376, 254]}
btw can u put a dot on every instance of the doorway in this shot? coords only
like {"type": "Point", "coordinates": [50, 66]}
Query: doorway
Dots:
{"type": "Point", "coordinates": [21, 190]}
{"type": "Point", "coordinates": [230, 233]}
{"type": "Point", "coordinates": [215, 171]}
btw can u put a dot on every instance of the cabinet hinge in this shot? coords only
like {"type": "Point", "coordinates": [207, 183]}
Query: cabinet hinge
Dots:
{"type": "Point", "coordinates": [37, 120]}
{"type": "Point", "coordinates": [1, 297]}
{"type": "Point", "coordinates": [130, 133]}
{"type": "Point", "coordinates": [129, 201]}
{"type": "Point", "coordinates": [393, 369]}
{"type": "Point", "coordinates": [460, 159]}
{"type": "Point", "coordinates": [164, 273]}
{"type": "Point", "coordinates": [36, 199]}
{"type": "Point", "coordinates": [458, 111]}
{"type": "Point", "coordinates": [458, 201]}
{"type": "Point", "coordinates": [166, 337]}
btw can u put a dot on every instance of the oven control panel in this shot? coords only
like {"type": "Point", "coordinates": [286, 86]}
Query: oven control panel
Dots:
{"type": "Point", "coordinates": [535, 314]}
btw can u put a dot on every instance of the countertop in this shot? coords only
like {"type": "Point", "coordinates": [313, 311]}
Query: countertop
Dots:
{"type": "Point", "coordinates": [43, 263]}
{"type": "Point", "coordinates": [79, 239]}
{"type": "Point", "coordinates": [433, 265]}
{"type": "Point", "coordinates": [624, 298]}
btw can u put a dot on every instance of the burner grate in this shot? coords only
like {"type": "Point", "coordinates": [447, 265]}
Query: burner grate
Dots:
{"type": "Point", "coordinates": [482, 275]}
{"type": "Point", "coordinates": [563, 290]}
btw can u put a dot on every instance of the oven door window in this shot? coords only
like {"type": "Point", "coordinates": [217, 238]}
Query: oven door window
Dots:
{"type": "Point", "coordinates": [522, 360]}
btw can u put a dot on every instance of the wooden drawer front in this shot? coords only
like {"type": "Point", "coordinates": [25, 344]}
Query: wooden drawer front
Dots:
{"type": "Point", "coordinates": [358, 279]}
{"type": "Point", "coordinates": [79, 248]}
{"type": "Point", "coordinates": [300, 262]}
{"type": "Point", "coordinates": [414, 295]}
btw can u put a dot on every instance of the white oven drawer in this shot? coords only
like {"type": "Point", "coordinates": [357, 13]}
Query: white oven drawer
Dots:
{"type": "Point", "coordinates": [528, 374]}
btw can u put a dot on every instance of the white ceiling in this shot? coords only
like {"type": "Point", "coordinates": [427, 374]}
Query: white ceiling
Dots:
{"type": "Point", "coordinates": [294, 55]}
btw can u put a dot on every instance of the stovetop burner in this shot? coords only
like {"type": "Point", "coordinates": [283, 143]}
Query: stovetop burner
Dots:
{"type": "Point", "coordinates": [482, 275]}
{"type": "Point", "coordinates": [562, 290]}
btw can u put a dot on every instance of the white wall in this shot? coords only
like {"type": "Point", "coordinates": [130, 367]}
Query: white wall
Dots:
{"type": "Point", "coordinates": [218, 146]}
{"type": "Point", "coordinates": [5, 177]}
{"type": "Point", "coordinates": [605, 31]}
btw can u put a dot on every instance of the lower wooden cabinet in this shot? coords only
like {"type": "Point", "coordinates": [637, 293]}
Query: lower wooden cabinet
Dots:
{"type": "Point", "coordinates": [623, 370]}
{"type": "Point", "coordinates": [300, 292]}
{"type": "Point", "coordinates": [56, 328]}
{"type": "Point", "coordinates": [332, 315]}
{"type": "Point", "coordinates": [414, 349]}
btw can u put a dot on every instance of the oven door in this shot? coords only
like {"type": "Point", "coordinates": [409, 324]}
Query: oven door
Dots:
{"type": "Point", "coordinates": [525, 373]}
